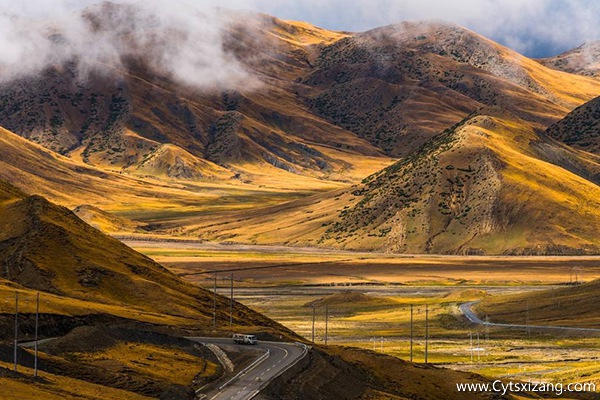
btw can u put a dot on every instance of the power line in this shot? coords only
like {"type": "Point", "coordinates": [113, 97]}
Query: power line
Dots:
{"type": "Point", "coordinates": [313, 323]}
{"type": "Point", "coordinates": [471, 340]}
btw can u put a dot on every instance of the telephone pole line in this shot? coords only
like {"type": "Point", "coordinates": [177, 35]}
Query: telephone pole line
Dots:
{"type": "Point", "coordinates": [471, 339]}
{"type": "Point", "coordinates": [313, 323]}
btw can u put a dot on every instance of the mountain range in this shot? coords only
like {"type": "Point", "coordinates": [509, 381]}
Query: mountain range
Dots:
{"type": "Point", "coordinates": [419, 137]}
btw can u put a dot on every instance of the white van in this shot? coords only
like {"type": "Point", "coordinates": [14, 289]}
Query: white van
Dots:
{"type": "Point", "coordinates": [240, 338]}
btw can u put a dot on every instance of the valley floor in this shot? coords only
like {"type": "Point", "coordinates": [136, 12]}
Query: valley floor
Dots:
{"type": "Point", "coordinates": [368, 297]}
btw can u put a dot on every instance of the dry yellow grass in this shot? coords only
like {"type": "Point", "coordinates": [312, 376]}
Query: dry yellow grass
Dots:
{"type": "Point", "coordinates": [58, 388]}
{"type": "Point", "coordinates": [155, 362]}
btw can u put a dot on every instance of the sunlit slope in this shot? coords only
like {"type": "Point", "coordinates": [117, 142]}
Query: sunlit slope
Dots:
{"type": "Point", "coordinates": [106, 222]}
{"type": "Point", "coordinates": [489, 185]}
{"type": "Point", "coordinates": [398, 86]}
{"type": "Point", "coordinates": [46, 247]}
{"type": "Point", "coordinates": [40, 171]}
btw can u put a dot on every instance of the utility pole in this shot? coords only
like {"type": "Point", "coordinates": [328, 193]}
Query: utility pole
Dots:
{"type": "Point", "coordinates": [215, 303]}
{"type": "Point", "coordinates": [326, 323]}
{"type": "Point", "coordinates": [527, 318]}
{"type": "Point", "coordinates": [426, 332]}
{"type": "Point", "coordinates": [313, 324]}
{"type": "Point", "coordinates": [37, 323]}
{"type": "Point", "coordinates": [471, 339]}
{"type": "Point", "coordinates": [411, 333]}
{"type": "Point", "coordinates": [231, 303]}
{"type": "Point", "coordinates": [16, 326]}
{"type": "Point", "coordinates": [478, 348]}
{"type": "Point", "coordinates": [487, 329]}
{"type": "Point", "coordinates": [382, 344]}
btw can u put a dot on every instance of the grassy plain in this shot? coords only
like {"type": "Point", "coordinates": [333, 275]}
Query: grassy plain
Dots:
{"type": "Point", "coordinates": [369, 295]}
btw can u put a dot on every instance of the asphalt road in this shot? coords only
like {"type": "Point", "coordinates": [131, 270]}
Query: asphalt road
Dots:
{"type": "Point", "coordinates": [248, 384]}
{"type": "Point", "coordinates": [466, 309]}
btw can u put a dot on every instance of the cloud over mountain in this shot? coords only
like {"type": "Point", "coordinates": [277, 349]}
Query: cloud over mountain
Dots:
{"type": "Point", "coordinates": [183, 41]}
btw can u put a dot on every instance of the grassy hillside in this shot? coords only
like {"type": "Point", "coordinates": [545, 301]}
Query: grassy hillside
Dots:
{"type": "Point", "coordinates": [489, 185]}
{"type": "Point", "coordinates": [48, 248]}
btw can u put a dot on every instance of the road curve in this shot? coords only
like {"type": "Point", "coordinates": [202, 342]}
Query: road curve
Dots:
{"type": "Point", "coordinates": [280, 357]}
{"type": "Point", "coordinates": [467, 310]}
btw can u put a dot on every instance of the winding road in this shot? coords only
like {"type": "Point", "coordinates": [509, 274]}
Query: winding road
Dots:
{"type": "Point", "coordinates": [467, 310]}
{"type": "Point", "coordinates": [275, 359]}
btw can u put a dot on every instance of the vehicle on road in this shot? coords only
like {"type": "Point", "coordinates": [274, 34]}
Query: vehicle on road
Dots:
{"type": "Point", "coordinates": [240, 338]}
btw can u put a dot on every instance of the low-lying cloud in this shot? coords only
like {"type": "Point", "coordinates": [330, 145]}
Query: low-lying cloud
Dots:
{"type": "Point", "coordinates": [183, 41]}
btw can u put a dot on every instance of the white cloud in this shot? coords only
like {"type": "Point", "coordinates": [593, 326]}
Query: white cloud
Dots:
{"type": "Point", "coordinates": [182, 41]}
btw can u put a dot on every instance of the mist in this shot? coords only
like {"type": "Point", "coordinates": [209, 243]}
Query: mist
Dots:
{"type": "Point", "coordinates": [182, 41]}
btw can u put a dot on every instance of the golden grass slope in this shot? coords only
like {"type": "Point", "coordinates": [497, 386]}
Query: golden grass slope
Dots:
{"type": "Point", "coordinates": [489, 185]}
{"type": "Point", "coordinates": [106, 222]}
{"type": "Point", "coordinates": [46, 247]}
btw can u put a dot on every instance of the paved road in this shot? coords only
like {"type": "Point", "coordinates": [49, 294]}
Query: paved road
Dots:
{"type": "Point", "coordinates": [467, 310]}
{"type": "Point", "coordinates": [280, 356]}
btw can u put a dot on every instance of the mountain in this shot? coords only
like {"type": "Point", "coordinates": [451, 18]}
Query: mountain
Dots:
{"type": "Point", "coordinates": [489, 185]}
{"type": "Point", "coordinates": [580, 127]}
{"type": "Point", "coordinates": [135, 118]}
{"type": "Point", "coordinates": [400, 85]}
{"type": "Point", "coordinates": [583, 60]}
